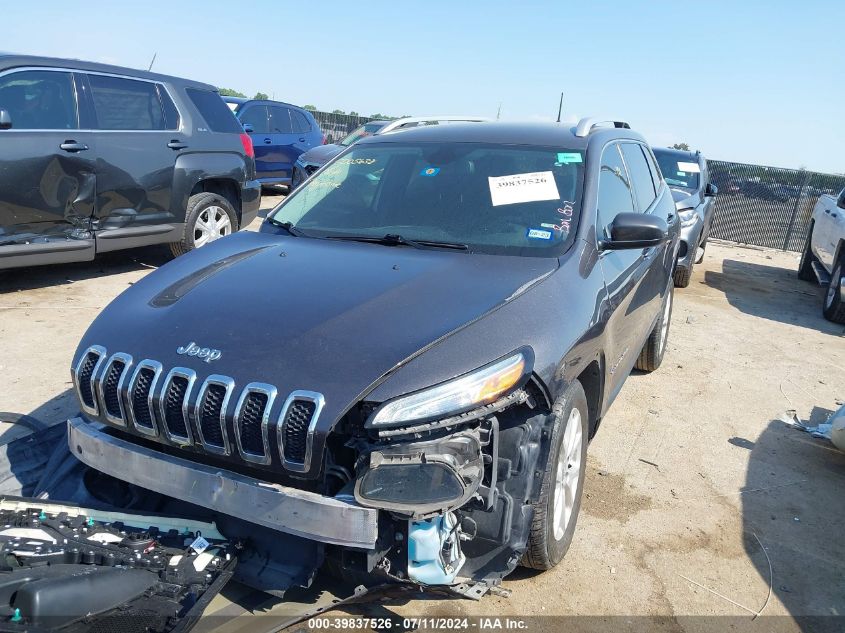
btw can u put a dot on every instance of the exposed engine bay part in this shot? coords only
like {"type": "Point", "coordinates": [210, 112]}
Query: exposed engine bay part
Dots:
{"type": "Point", "coordinates": [434, 550]}
{"type": "Point", "coordinates": [298, 512]}
{"type": "Point", "coordinates": [66, 568]}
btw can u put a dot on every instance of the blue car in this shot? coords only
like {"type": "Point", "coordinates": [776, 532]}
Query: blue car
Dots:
{"type": "Point", "coordinates": [280, 132]}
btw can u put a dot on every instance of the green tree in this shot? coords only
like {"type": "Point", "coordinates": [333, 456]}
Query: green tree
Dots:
{"type": "Point", "coordinates": [310, 107]}
{"type": "Point", "coordinates": [682, 146]}
{"type": "Point", "coordinates": [261, 96]}
{"type": "Point", "coordinates": [353, 113]}
{"type": "Point", "coordinates": [228, 92]}
{"type": "Point", "coordinates": [378, 116]}
{"type": "Point", "coordinates": [338, 112]}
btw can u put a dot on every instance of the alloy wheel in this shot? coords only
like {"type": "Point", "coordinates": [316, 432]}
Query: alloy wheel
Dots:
{"type": "Point", "coordinates": [212, 223]}
{"type": "Point", "coordinates": [568, 474]}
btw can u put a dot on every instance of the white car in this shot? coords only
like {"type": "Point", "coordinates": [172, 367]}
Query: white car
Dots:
{"type": "Point", "coordinates": [823, 258]}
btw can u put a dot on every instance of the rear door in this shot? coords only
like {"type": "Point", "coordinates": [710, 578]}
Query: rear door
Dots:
{"type": "Point", "coordinates": [289, 145]}
{"type": "Point", "coordinates": [256, 115]}
{"type": "Point", "coordinates": [624, 272]}
{"type": "Point", "coordinates": [47, 176]}
{"type": "Point", "coordinates": [139, 141]}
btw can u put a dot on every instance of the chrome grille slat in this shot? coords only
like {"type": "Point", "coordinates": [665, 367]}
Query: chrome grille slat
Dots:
{"type": "Point", "coordinates": [83, 375]}
{"type": "Point", "coordinates": [295, 428]}
{"type": "Point", "coordinates": [109, 384]}
{"type": "Point", "coordinates": [210, 413]}
{"type": "Point", "coordinates": [252, 420]}
{"type": "Point", "coordinates": [174, 405]}
{"type": "Point", "coordinates": [139, 394]}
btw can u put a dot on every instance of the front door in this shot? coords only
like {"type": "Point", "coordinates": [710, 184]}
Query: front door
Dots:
{"type": "Point", "coordinates": [136, 158]}
{"type": "Point", "coordinates": [47, 181]}
{"type": "Point", "coordinates": [256, 117]}
{"type": "Point", "coordinates": [285, 141]}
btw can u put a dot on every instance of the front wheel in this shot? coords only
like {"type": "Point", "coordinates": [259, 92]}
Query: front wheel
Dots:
{"type": "Point", "coordinates": [556, 510]}
{"type": "Point", "coordinates": [834, 306]}
{"type": "Point", "coordinates": [655, 346]}
{"type": "Point", "coordinates": [208, 217]}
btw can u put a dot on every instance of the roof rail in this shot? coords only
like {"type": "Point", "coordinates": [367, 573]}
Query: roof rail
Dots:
{"type": "Point", "coordinates": [586, 125]}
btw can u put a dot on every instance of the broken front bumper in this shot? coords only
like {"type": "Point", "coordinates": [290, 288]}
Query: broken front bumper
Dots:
{"type": "Point", "coordinates": [282, 508]}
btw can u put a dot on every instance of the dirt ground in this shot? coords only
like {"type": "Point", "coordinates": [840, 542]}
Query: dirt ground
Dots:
{"type": "Point", "coordinates": [694, 486]}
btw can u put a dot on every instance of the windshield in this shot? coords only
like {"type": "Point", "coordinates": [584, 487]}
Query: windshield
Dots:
{"type": "Point", "coordinates": [497, 199]}
{"type": "Point", "coordinates": [368, 129]}
{"type": "Point", "coordinates": [678, 173]}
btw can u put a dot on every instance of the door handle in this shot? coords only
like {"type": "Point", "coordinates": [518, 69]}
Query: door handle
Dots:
{"type": "Point", "coordinates": [827, 210]}
{"type": "Point", "coordinates": [73, 147]}
{"type": "Point", "coordinates": [302, 140]}
{"type": "Point", "coordinates": [177, 144]}
{"type": "Point", "coordinates": [267, 141]}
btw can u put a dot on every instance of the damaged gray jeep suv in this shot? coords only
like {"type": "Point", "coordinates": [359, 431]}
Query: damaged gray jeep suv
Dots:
{"type": "Point", "coordinates": [401, 372]}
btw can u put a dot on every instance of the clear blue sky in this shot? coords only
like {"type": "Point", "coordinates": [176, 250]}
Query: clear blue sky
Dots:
{"type": "Point", "coordinates": [749, 81]}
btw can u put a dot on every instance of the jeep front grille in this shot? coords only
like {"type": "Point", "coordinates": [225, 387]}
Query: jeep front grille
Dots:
{"type": "Point", "coordinates": [252, 417]}
{"type": "Point", "coordinates": [109, 386]}
{"type": "Point", "coordinates": [166, 406]}
{"type": "Point", "coordinates": [296, 428]}
{"type": "Point", "coordinates": [173, 405]}
{"type": "Point", "coordinates": [210, 414]}
{"type": "Point", "coordinates": [83, 378]}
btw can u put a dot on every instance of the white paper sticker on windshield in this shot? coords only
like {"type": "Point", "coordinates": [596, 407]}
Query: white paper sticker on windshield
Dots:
{"type": "Point", "coordinates": [691, 168]}
{"type": "Point", "coordinates": [538, 185]}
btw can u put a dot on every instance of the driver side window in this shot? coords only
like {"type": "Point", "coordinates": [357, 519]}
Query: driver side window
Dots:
{"type": "Point", "coordinates": [615, 193]}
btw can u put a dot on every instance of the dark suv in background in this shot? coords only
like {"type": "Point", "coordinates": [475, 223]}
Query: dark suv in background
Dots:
{"type": "Point", "coordinates": [280, 132]}
{"type": "Point", "coordinates": [97, 158]}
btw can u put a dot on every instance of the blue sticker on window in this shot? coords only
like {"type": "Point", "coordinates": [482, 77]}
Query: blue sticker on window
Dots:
{"type": "Point", "coordinates": [430, 171]}
{"type": "Point", "coordinates": [538, 234]}
{"type": "Point", "coordinates": [565, 158]}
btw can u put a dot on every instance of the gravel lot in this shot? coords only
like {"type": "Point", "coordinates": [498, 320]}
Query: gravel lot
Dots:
{"type": "Point", "coordinates": [691, 475]}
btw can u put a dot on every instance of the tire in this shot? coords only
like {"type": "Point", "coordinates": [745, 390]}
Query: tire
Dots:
{"type": "Point", "coordinates": [202, 207]}
{"type": "Point", "coordinates": [834, 306]}
{"type": "Point", "coordinates": [805, 268]}
{"type": "Point", "coordinates": [553, 524]}
{"type": "Point", "coordinates": [655, 346]}
{"type": "Point", "coordinates": [682, 276]}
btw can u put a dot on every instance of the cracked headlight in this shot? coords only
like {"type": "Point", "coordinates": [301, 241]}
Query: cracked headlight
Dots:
{"type": "Point", "coordinates": [479, 387]}
{"type": "Point", "coordinates": [687, 216]}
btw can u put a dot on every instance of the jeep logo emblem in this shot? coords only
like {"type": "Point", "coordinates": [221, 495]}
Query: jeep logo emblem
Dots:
{"type": "Point", "coordinates": [206, 353]}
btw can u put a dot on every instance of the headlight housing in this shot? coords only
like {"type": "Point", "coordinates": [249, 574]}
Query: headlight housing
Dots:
{"type": "Point", "coordinates": [687, 216]}
{"type": "Point", "coordinates": [477, 388]}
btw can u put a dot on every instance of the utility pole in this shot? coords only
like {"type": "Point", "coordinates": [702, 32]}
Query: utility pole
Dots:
{"type": "Point", "coordinates": [499, 111]}
{"type": "Point", "coordinates": [153, 61]}
{"type": "Point", "coordinates": [560, 108]}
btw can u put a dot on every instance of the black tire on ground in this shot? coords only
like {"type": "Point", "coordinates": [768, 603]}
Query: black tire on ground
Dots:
{"type": "Point", "coordinates": [197, 205]}
{"type": "Point", "coordinates": [683, 275]}
{"type": "Point", "coordinates": [805, 268]}
{"type": "Point", "coordinates": [546, 548]}
{"type": "Point", "coordinates": [655, 346]}
{"type": "Point", "coordinates": [834, 305]}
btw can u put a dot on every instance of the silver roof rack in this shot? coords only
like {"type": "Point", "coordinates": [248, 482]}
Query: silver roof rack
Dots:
{"type": "Point", "coordinates": [586, 125]}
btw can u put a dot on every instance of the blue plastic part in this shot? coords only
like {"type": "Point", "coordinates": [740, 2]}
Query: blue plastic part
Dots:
{"type": "Point", "coordinates": [425, 540]}
{"type": "Point", "coordinates": [17, 616]}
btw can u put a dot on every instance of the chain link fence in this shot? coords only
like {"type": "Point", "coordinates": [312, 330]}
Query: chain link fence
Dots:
{"type": "Point", "coordinates": [336, 126]}
{"type": "Point", "coordinates": [767, 206]}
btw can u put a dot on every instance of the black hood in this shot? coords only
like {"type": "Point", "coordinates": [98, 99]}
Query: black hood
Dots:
{"type": "Point", "coordinates": [301, 313]}
{"type": "Point", "coordinates": [322, 154]}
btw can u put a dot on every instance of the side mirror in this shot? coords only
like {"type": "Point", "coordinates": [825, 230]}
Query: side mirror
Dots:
{"type": "Point", "coordinates": [5, 120]}
{"type": "Point", "coordinates": [248, 128]}
{"type": "Point", "coordinates": [711, 189]}
{"type": "Point", "coordinates": [635, 230]}
{"type": "Point", "coordinates": [840, 201]}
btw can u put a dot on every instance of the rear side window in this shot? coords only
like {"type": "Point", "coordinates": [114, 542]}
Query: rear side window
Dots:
{"type": "Point", "coordinates": [652, 165]}
{"type": "Point", "coordinates": [640, 174]}
{"type": "Point", "coordinates": [280, 120]}
{"type": "Point", "coordinates": [214, 110]}
{"type": "Point", "coordinates": [615, 193]}
{"type": "Point", "coordinates": [256, 116]}
{"type": "Point", "coordinates": [300, 122]}
{"type": "Point", "coordinates": [39, 100]}
{"type": "Point", "coordinates": [126, 104]}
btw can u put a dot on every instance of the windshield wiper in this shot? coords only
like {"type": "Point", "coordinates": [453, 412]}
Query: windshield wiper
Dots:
{"type": "Point", "coordinates": [287, 226]}
{"type": "Point", "coordinates": [392, 239]}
